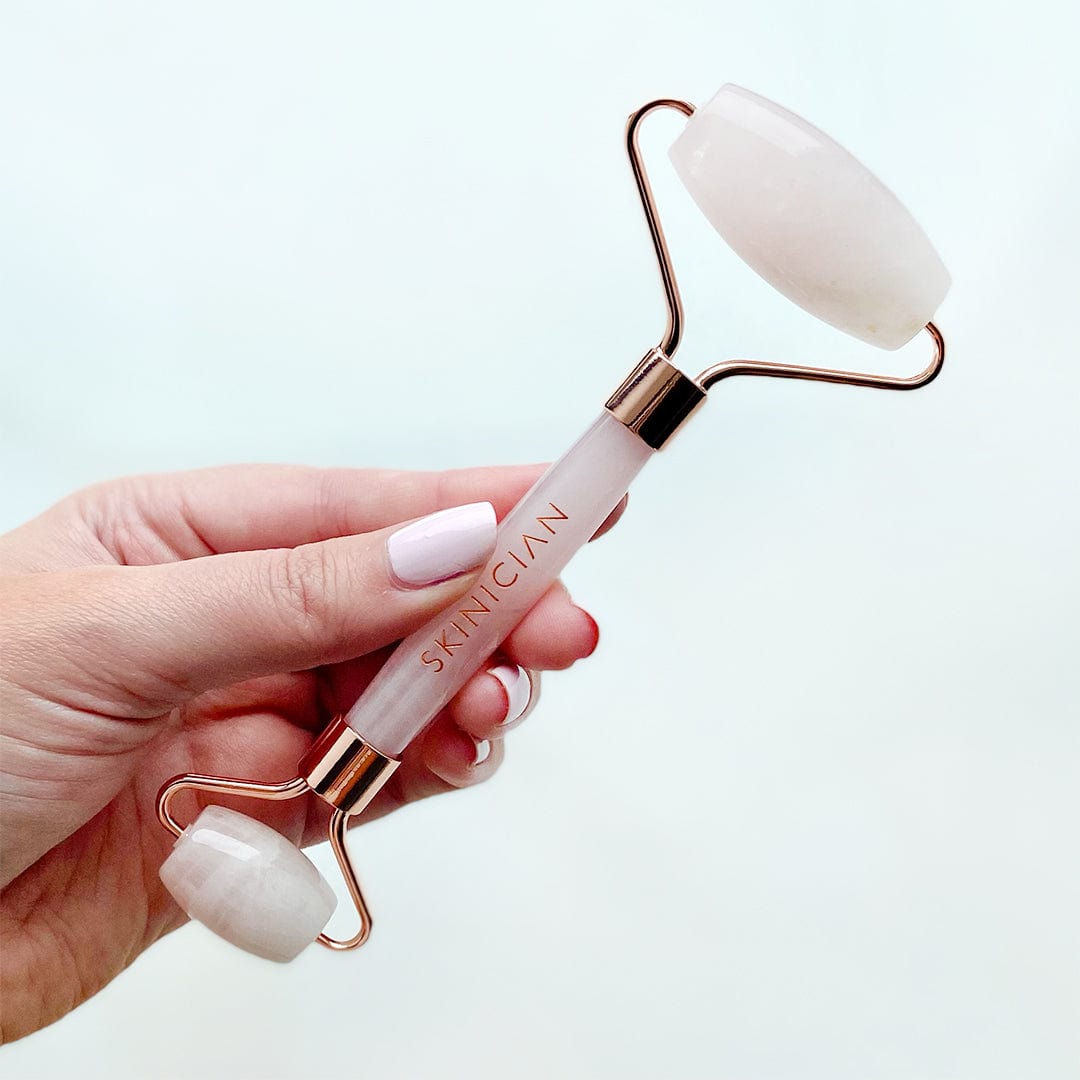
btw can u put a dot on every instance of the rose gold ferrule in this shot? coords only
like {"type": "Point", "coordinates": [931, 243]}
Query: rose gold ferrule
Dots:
{"type": "Point", "coordinates": [655, 399]}
{"type": "Point", "coordinates": [344, 770]}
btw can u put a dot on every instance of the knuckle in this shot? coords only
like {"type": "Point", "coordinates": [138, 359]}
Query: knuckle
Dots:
{"type": "Point", "coordinates": [301, 582]}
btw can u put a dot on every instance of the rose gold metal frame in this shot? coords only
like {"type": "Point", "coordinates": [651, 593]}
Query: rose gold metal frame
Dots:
{"type": "Point", "coordinates": [339, 823]}
{"type": "Point", "coordinates": [727, 368]}
{"type": "Point", "coordinates": [673, 332]}
{"type": "Point", "coordinates": [222, 785]}
{"type": "Point", "coordinates": [342, 770]}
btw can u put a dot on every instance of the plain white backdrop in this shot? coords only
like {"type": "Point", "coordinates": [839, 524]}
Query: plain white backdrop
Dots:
{"type": "Point", "coordinates": [813, 808]}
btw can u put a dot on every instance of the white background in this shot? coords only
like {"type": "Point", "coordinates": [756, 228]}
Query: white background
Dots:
{"type": "Point", "coordinates": [813, 808]}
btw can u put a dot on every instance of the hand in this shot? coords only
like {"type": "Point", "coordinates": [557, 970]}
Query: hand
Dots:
{"type": "Point", "coordinates": [208, 622]}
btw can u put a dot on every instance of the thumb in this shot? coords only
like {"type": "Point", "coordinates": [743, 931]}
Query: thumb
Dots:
{"type": "Point", "coordinates": [191, 626]}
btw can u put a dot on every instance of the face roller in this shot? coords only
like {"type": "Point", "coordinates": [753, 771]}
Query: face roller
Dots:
{"type": "Point", "coordinates": [811, 221]}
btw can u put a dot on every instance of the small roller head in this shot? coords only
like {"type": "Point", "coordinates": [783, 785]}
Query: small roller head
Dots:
{"type": "Point", "coordinates": [248, 884]}
{"type": "Point", "coordinates": [809, 218]}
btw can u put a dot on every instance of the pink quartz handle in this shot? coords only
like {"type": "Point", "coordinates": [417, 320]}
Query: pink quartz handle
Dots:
{"type": "Point", "coordinates": [535, 542]}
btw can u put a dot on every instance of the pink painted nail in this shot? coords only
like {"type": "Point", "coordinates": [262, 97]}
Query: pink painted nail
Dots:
{"type": "Point", "coordinates": [595, 632]}
{"type": "Point", "coordinates": [442, 545]}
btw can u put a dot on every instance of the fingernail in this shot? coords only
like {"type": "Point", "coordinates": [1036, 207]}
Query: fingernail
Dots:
{"type": "Point", "coordinates": [443, 545]}
{"type": "Point", "coordinates": [595, 632]}
{"type": "Point", "coordinates": [515, 681]}
{"type": "Point", "coordinates": [483, 751]}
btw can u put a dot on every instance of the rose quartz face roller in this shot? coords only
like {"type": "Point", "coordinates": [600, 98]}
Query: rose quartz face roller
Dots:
{"type": "Point", "coordinates": [815, 224]}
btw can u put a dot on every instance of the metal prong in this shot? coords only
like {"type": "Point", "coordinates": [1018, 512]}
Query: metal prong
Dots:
{"type": "Point", "coordinates": [768, 368]}
{"type": "Point", "coordinates": [673, 333]}
{"type": "Point", "coordinates": [222, 785]}
{"type": "Point", "coordinates": [338, 825]}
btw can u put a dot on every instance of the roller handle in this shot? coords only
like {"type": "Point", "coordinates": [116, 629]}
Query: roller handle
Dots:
{"type": "Point", "coordinates": [535, 542]}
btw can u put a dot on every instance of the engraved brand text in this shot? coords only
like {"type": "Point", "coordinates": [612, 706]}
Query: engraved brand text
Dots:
{"type": "Point", "coordinates": [511, 567]}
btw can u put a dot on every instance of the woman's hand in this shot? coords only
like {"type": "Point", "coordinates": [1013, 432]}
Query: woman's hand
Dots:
{"type": "Point", "coordinates": [208, 622]}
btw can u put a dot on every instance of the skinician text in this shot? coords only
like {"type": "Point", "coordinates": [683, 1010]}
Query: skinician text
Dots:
{"type": "Point", "coordinates": [513, 565]}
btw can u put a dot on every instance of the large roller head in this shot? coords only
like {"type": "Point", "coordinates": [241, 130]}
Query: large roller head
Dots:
{"type": "Point", "coordinates": [809, 218]}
